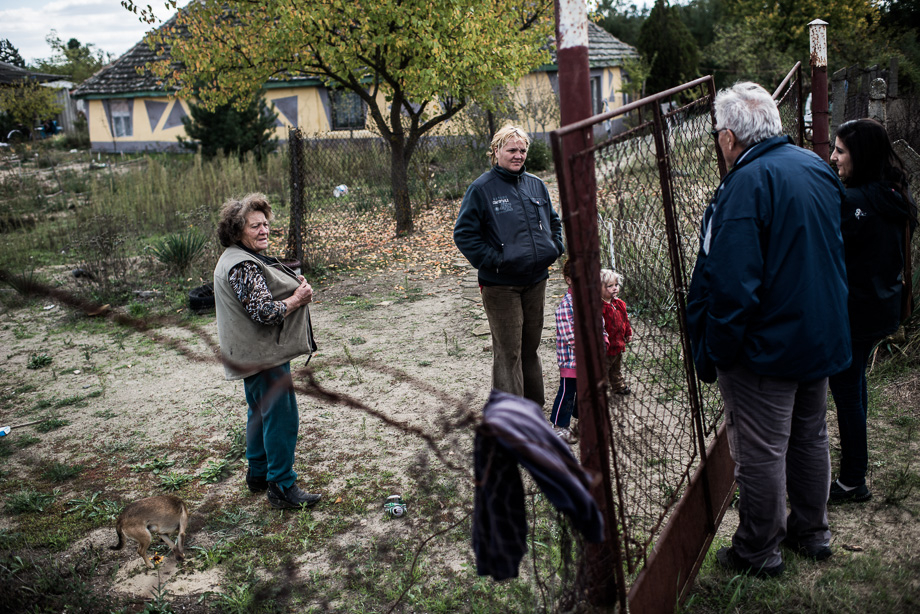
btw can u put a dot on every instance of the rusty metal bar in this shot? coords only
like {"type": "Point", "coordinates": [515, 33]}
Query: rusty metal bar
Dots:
{"type": "Point", "coordinates": [665, 582]}
{"type": "Point", "coordinates": [778, 92]}
{"type": "Point", "coordinates": [601, 566]}
{"type": "Point", "coordinates": [819, 121]}
{"type": "Point", "coordinates": [638, 104]}
{"type": "Point", "coordinates": [800, 118]}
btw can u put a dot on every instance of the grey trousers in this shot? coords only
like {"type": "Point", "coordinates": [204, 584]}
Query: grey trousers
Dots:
{"type": "Point", "coordinates": [777, 434]}
{"type": "Point", "coordinates": [516, 321]}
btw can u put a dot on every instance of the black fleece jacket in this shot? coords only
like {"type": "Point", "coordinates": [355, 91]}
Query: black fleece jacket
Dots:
{"type": "Point", "coordinates": [507, 228]}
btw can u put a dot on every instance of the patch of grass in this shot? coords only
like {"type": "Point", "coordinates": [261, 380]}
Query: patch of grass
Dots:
{"type": "Point", "coordinates": [51, 424]}
{"type": "Point", "coordinates": [77, 400]}
{"type": "Point", "coordinates": [174, 481]}
{"type": "Point", "coordinates": [94, 508]}
{"type": "Point", "coordinates": [38, 361]}
{"type": "Point", "coordinates": [26, 440]}
{"type": "Point", "coordinates": [155, 466]}
{"type": "Point", "coordinates": [215, 471]}
{"type": "Point", "coordinates": [6, 448]}
{"type": "Point", "coordinates": [61, 472]}
{"type": "Point", "coordinates": [237, 436]}
{"type": "Point", "coordinates": [452, 346]}
{"type": "Point", "coordinates": [29, 501]}
{"type": "Point", "coordinates": [47, 584]}
{"type": "Point", "coordinates": [40, 405]}
{"type": "Point", "coordinates": [179, 251]}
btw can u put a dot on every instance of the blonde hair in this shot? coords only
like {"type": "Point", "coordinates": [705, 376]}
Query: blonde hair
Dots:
{"type": "Point", "coordinates": [610, 276]}
{"type": "Point", "coordinates": [502, 137]}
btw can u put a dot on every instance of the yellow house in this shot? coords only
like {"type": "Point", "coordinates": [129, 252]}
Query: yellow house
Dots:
{"type": "Point", "coordinates": [129, 111]}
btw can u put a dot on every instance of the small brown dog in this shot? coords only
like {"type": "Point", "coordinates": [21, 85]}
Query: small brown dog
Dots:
{"type": "Point", "coordinates": [144, 519]}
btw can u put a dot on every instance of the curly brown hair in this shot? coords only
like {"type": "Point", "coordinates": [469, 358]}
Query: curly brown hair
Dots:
{"type": "Point", "coordinates": [233, 216]}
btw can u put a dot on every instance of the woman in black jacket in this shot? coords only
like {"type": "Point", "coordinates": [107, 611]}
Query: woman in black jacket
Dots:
{"type": "Point", "coordinates": [876, 215]}
{"type": "Point", "coordinates": [507, 229]}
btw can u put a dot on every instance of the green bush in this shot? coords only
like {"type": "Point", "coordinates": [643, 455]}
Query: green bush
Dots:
{"type": "Point", "coordinates": [178, 251]}
{"type": "Point", "coordinates": [539, 157]}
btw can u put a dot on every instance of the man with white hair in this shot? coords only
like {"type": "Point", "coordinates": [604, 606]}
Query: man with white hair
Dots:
{"type": "Point", "coordinates": [767, 313]}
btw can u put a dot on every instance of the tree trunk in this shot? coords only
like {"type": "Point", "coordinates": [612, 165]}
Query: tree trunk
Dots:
{"type": "Point", "coordinates": [399, 177]}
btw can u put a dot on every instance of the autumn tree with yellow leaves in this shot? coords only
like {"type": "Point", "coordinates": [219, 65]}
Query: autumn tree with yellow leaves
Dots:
{"type": "Point", "coordinates": [414, 63]}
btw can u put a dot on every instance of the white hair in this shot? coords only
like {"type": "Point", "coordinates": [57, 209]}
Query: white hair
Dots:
{"type": "Point", "coordinates": [749, 112]}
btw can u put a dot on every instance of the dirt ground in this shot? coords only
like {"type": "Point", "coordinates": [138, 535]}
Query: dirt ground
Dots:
{"type": "Point", "coordinates": [430, 336]}
{"type": "Point", "coordinates": [412, 349]}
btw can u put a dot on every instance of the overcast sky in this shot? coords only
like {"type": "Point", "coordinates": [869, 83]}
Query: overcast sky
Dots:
{"type": "Point", "coordinates": [104, 23]}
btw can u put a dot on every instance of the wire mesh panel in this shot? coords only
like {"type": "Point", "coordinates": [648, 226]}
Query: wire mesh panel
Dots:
{"type": "Point", "coordinates": [337, 182]}
{"type": "Point", "coordinates": [789, 101]}
{"type": "Point", "coordinates": [654, 182]}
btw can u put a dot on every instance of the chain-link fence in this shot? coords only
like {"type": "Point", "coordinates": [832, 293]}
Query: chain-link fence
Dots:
{"type": "Point", "coordinates": [339, 181]}
{"type": "Point", "coordinates": [654, 182]}
{"type": "Point", "coordinates": [789, 101]}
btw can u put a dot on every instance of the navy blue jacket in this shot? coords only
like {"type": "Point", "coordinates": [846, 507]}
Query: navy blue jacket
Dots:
{"type": "Point", "coordinates": [769, 289]}
{"type": "Point", "coordinates": [514, 430]}
{"type": "Point", "coordinates": [507, 228]}
{"type": "Point", "coordinates": [874, 217]}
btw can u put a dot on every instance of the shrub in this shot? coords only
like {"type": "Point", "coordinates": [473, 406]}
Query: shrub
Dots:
{"type": "Point", "coordinates": [539, 157]}
{"type": "Point", "coordinates": [178, 251]}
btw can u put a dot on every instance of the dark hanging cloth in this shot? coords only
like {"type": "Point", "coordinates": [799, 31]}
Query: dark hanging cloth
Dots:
{"type": "Point", "coordinates": [514, 431]}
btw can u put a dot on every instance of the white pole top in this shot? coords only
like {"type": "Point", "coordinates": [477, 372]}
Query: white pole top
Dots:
{"type": "Point", "coordinates": [573, 24]}
{"type": "Point", "coordinates": [817, 34]}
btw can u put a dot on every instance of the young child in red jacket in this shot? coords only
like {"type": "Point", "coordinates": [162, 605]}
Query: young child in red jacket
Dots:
{"type": "Point", "coordinates": [619, 332]}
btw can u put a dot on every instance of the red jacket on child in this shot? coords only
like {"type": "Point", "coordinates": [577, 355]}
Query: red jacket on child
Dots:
{"type": "Point", "coordinates": [616, 323]}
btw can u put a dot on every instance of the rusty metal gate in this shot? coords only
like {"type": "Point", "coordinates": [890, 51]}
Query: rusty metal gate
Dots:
{"type": "Point", "coordinates": [672, 472]}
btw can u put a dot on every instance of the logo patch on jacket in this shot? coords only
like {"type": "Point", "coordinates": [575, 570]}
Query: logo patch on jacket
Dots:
{"type": "Point", "coordinates": [501, 204]}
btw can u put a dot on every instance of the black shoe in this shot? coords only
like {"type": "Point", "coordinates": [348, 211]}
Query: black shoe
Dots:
{"type": "Point", "coordinates": [291, 497]}
{"type": "Point", "coordinates": [624, 390]}
{"type": "Point", "coordinates": [729, 559]}
{"type": "Point", "coordinates": [855, 495]}
{"type": "Point", "coordinates": [815, 552]}
{"type": "Point", "coordinates": [255, 484]}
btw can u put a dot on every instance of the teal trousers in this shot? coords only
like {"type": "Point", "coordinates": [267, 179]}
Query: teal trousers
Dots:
{"type": "Point", "coordinates": [272, 424]}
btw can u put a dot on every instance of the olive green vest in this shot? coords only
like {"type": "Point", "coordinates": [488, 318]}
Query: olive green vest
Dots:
{"type": "Point", "coordinates": [246, 346]}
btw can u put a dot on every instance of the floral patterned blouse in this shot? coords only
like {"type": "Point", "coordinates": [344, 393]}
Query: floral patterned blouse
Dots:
{"type": "Point", "coordinates": [248, 282]}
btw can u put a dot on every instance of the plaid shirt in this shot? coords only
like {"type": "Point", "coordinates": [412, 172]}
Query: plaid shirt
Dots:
{"type": "Point", "coordinates": [565, 332]}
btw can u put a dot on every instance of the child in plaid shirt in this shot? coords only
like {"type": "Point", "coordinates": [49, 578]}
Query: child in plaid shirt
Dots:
{"type": "Point", "coordinates": [565, 407]}
{"type": "Point", "coordinates": [619, 332]}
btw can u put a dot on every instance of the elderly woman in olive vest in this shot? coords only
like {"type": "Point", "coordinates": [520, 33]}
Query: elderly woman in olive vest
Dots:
{"type": "Point", "coordinates": [263, 322]}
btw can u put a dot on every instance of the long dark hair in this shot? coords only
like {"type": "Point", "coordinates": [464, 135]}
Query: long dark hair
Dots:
{"type": "Point", "coordinates": [872, 156]}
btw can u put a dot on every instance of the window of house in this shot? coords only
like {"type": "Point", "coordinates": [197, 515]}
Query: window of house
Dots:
{"type": "Point", "coordinates": [347, 110]}
{"type": "Point", "coordinates": [597, 102]}
{"type": "Point", "coordinates": [121, 118]}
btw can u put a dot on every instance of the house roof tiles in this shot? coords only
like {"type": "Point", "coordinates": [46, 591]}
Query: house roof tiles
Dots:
{"type": "Point", "coordinates": [123, 77]}
{"type": "Point", "coordinates": [10, 73]}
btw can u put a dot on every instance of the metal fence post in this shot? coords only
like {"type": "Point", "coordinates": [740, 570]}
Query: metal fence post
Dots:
{"type": "Point", "coordinates": [601, 564]}
{"type": "Point", "coordinates": [877, 96]}
{"type": "Point", "coordinates": [294, 249]}
{"type": "Point", "coordinates": [817, 30]}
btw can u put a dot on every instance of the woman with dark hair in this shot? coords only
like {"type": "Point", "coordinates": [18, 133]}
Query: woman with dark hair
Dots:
{"type": "Point", "coordinates": [878, 217]}
{"type": "Point", "coordinates": [263, 322]}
